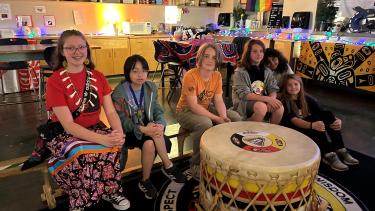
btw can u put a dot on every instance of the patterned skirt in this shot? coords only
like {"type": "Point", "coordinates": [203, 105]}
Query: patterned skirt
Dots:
{"type": "Point", "coordinates": [85, 170]}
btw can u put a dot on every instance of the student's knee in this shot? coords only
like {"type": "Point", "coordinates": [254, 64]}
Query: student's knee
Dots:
{"type": "Point", "coordinates": [260, 108]}
{"type": "Point", "coordinates": [148, 146]}
{"type": "Point", "coordinates": [234, 116]}
{"type": "Point", "coordinates": [280, 111]}
{"type": "Point", "coordinates": [204, 123]}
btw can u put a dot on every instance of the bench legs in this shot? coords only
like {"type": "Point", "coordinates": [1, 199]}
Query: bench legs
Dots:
{"type": "Point", "coordinates": [48, 194]}
{"type": "Point", "coordinates": [182, 134]}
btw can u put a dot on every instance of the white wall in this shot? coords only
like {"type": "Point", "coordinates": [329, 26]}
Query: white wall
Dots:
{"type": "Point", "coordinates": [292, 6]}
{"type": "Point", "coordinates": [346, 6]}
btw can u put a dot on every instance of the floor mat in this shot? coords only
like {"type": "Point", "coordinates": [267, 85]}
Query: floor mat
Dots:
{"type": "Point", "coordinates": [348, 190]}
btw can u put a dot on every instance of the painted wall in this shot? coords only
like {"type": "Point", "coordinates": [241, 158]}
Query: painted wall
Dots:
{"type": "Point", "coordinates": [292, 6]}
{"type": "Point", "coordinates": [94, 15]}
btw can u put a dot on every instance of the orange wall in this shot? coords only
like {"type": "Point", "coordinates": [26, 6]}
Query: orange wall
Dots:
{"type": "Point", "coordinates": [93, 13]}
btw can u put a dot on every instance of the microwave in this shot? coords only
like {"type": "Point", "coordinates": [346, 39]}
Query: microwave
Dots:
{"type": "Point", "coordinates": [136, 27]}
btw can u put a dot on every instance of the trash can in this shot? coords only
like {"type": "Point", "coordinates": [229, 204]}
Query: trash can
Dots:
{"type": "Point", "coordinates": [10, 82]}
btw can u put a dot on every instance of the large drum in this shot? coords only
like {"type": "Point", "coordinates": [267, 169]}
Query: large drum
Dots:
{"type": "Point", "coordinates": [257, 166]}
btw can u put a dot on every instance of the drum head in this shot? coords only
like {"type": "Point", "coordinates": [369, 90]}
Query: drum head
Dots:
{"type": "Point", "coordinates": [259, 146]}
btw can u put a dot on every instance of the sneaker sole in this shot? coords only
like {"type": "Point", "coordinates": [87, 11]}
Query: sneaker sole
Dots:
{"type": "Point", "coordinates": [123, 207]}
{"type": "Point", "coordinates": [171, 177]}
{"type": "Point", "coordinates": [140, 188]}
{"type": "Point", "coordinates": [336, 169]}
{"type": "Point", "coordinates": [351, 164]}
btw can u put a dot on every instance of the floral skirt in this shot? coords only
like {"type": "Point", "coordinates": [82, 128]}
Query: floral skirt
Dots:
{"type": "Point", "coordinates": [85, 170]}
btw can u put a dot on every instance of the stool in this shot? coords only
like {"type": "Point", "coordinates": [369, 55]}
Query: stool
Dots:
{"type": "Point", "coordinates": [177, 71]}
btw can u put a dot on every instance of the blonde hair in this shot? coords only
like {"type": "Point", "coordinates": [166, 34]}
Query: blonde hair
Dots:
{"type": "Point", "coordinates": [202, 49]}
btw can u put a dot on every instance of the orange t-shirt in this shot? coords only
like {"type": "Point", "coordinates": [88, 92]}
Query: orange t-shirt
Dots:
{"type": "Point", "coordinates": [194, 85]}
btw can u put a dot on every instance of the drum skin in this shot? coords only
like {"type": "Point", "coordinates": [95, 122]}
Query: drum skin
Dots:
{"type": "Point", "coordinates": [252, 163]}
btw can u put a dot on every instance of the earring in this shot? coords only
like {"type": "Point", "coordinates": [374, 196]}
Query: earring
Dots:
{"type": "Point", "coordinates": [64, 64]}
{"type": "Point", "coordinates": [86, 62]}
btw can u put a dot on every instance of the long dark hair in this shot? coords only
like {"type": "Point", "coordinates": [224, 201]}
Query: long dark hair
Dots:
{"type": "Point", "coordinates": [130, 63]}
{"type": "Point", "coordinates": [245, 58]}
{"type": "Point", "coordinates": [301, 97]}
{"type": "Point", "coordinates": [58, 55]}
{"type": "Point", "coordinates": [283, 63]}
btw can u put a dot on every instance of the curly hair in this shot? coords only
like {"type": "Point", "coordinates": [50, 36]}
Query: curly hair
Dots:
{"type": "Point", "coordinates": [283, 63]}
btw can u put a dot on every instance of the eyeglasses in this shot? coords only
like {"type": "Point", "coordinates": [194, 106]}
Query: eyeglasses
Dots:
{"type": "Point", "coordinates": [72, 49]}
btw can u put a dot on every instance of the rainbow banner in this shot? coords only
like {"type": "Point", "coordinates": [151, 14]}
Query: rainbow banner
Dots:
{"type": "Point", "coordinates": [258, 5]}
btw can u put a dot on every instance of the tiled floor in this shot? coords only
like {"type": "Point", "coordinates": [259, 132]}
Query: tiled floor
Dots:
{"type": "Point", "coordinates": [18, 122]}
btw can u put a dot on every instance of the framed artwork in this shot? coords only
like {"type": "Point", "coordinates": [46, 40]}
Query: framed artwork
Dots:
{"type": "Point", "coordinates": [49, 20]}
{"type": "Point", "coordinates": [5, 12]}
{"type": "Point", "coordinates": [40, 9]}
{"type": "Point", "coordinates": [24, 20]}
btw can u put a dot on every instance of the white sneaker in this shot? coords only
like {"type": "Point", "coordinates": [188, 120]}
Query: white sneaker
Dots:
{"type": "Point", "coordinates": [119, 202]}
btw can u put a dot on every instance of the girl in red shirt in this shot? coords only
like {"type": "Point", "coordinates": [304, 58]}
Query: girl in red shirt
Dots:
{"type": "Point", "coordinates": [85, 156]}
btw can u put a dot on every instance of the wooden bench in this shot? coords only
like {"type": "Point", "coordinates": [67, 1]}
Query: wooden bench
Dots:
{"type": "Point", "coordinates": [12, 167]}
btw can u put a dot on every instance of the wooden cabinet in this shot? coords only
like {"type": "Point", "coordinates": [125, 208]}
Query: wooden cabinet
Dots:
{"type": "Point", "coordinates": [119, 57]}
{"type": "Point", "coordinates": [111, 56]}
{"type": "Point", "coordinates": [113, 52]}
{"type": "Point", "coordinates": [144, 46]}
{"type": "Point", "coordinates": [104, 61]}
{"type": "Point", "coordinates": [285, 47]}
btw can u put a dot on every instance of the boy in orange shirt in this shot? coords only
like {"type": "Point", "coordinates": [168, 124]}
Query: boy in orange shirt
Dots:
{"type": "Point", "coordinates": [200, 86]}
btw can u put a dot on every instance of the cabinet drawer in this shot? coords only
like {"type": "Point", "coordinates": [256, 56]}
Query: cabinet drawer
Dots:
{"type": "Point", "coordinates": [110, 43]}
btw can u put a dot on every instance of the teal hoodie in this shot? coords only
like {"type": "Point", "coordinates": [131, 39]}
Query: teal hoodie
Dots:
{"type": "Point", "coordinates": [153, 110]}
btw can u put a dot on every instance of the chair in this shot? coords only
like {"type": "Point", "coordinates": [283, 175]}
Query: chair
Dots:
{"type": "Point", "coordinates": [18, 64]}
{"type": "Point", "coordinates": [239, 42]}
{"type": "Point", "coordinates": [174, 68]}
{"type": "Point", "coordinates": [159, 57]}
{"type": "Point", "coordinates": [46, 70]}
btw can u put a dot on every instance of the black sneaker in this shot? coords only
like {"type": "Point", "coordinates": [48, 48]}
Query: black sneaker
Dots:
{"type": "Point", "coordinates": [119, 202]}
{"type": "Point", "coordinates": [148, 188]}
{"type": "Point", "coordinates": [174, 174]}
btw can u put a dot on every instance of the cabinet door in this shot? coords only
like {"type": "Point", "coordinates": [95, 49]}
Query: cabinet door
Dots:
{"type": "Point", "coordinates": [93, 56]}
{"type": "Point", "coordinates": [139, 46]}
{"type": "Point", "coordinates": [285, 47]}
{"type": "Point", "coordinates": [119, 57]}
{"type": "Point", "coordinates": [104, 61]}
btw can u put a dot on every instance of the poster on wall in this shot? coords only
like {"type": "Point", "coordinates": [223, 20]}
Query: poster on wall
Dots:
{"type": "Point", "coordinates": [49, 20]}
{"type": "Point", "coordinates": [5, 12]}
{"type": "Point", "coordinates": [336, 63]}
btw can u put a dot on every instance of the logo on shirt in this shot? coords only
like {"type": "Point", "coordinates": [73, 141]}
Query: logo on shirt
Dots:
{"type": "Point", "coordinates": [205, 96]}
{"type": "Point", "coordinates": [257, 87]}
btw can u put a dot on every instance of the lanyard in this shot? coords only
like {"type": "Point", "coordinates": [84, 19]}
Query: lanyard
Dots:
{"type": "Point", "coordinates": [139, 104]}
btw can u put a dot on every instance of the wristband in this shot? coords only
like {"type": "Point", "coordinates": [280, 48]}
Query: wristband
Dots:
{"type": "Point", "coordinates": [311, 126]}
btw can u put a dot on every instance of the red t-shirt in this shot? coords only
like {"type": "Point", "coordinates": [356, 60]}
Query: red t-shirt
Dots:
{"type": "Point", "coordinates": [60, 92]}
